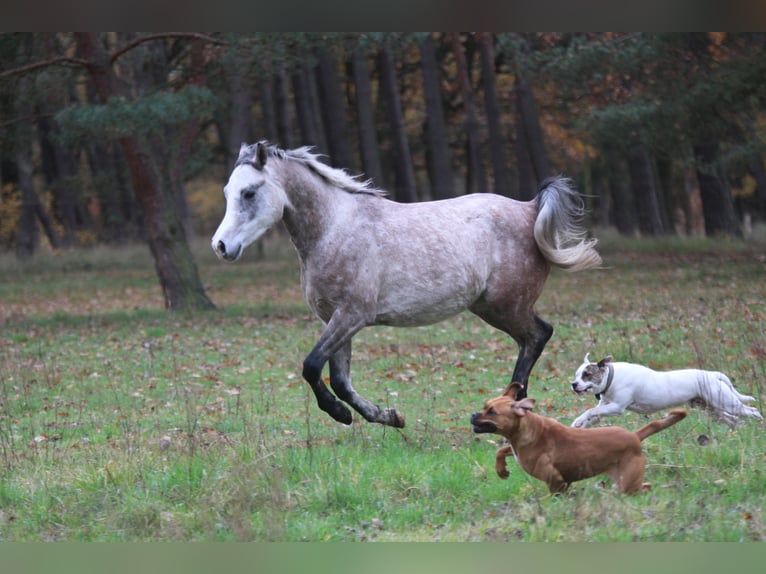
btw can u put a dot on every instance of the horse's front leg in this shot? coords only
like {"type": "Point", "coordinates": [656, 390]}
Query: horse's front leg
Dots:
{"type": "Point", "coordinates": [340, 380]}
{"type": "Point", "coordinates": [335, 336]}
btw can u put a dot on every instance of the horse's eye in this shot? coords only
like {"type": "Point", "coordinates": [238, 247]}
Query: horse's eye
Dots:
{"type": "Point", "coordinates": [248, 194]}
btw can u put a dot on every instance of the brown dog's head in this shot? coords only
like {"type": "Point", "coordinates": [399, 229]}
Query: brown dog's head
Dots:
{"type": "Point", "coordinates": [501, 414]}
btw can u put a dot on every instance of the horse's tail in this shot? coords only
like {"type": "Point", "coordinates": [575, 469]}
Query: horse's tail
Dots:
{"type": "Point", "coordinates": [559, 232]}
{"type": "Point", "coordinates": [656, 426]}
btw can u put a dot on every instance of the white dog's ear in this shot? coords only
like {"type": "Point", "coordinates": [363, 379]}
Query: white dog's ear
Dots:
{"type": "Point", "coordinates": [524, 405]}
{"type": "Point", "coordinates": [586, 358]}
{"type": "Point", "coordinates": [608, 359]}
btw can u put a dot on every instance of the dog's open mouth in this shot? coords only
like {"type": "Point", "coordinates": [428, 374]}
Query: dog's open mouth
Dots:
{"type": "Point", "coordinates": [482, 426]}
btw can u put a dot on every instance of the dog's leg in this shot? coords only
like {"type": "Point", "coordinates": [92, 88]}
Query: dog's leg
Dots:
{"type": "Point", "coordinates": [724, 399]}
{"type": "Point", "coordinates": [594, 415]}
{"type": "Point", "coordinates": [556, 483]}
{"type": "Point", "coordinates": [584, 420]}
{"type": "Point", "coordinates": [628, 476]}
{"type": "Point", "coordinates": [726, 381]}
{"type": "Point", "coordinates": [500, 467]}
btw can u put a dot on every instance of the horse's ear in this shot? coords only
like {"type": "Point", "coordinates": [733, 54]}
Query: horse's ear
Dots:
{"type": "Point", "coordinates": [524, 405]}
{"type": "Point", "coordinates": [608, 359]}
{"type": "Point", "coordinates": [243, 149]}
{"type": "Point", "coordinates": [260, 155]}
{"type": "Point", "coordinates": [512, 390]}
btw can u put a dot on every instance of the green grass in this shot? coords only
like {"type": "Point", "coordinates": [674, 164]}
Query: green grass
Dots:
{"type": "Point", "coordinates": [121, 422]}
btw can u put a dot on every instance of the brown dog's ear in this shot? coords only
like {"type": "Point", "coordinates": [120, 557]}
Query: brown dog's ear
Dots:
{"type": "Point", "coordinates": [524, 405]}
{"type": "Point", "coordinates": [512, 390]}
{"type": "Point", "coordinates": [608, 359]}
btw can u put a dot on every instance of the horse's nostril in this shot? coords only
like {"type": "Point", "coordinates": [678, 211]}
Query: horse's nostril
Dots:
{"type": "Point", "coordinates": [221, 248]}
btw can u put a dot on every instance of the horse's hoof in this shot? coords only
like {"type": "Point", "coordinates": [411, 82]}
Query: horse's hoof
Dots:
{"type": "Point", "coordinates": [392, 418]}
{"type": "Point", "coordinates": [341, 414]}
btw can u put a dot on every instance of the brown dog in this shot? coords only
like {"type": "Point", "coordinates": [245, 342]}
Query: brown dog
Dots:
{"type": "Point", "coordinates": [559, 455]}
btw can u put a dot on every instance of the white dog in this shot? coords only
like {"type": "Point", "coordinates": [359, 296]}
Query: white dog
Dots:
{"type": "Point", "coordinates": [620, 386]}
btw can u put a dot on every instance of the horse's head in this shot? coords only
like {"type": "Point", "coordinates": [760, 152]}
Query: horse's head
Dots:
{"type": "Point", "coordinates": [255, 201]}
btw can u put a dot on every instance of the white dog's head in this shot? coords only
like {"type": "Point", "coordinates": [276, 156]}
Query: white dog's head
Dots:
{"type": "Point", "coordinates": [591, 376]}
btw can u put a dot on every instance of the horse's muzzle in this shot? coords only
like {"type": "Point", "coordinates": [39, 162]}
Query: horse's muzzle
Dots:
{"type": "Point", "coordinates": [228, 255]}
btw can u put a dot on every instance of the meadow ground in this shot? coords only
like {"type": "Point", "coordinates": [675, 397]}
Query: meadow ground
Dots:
{"type": "Point", "coordinates": [122, 422]}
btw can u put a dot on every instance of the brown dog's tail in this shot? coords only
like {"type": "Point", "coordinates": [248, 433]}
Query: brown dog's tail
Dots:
{"type": "Point", "coordinates": [656, 426]}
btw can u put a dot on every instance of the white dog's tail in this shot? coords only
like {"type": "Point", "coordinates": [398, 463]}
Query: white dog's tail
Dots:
{"type": "Point", "coordinates": [558, 228]}
{"type": "Point", "coordinates": [656, 426]}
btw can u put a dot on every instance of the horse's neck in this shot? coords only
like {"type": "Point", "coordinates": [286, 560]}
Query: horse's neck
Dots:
{"type": "Point", "coordinates": [310, 213]}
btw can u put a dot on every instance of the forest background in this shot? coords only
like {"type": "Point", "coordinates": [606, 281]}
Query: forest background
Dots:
{"type": "Point", "coordinates": [122, 137]}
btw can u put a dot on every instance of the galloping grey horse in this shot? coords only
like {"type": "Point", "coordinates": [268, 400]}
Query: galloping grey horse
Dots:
{"type": "Point", "coordinates": [366, 260]}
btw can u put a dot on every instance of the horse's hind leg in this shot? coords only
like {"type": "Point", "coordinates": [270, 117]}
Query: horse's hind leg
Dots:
{"type": "Point", "coordinates": [531, 346]}
{"type": "Point", "coordinates": [531, 340]}
{"type": "Point", "coordinates": [340, 380]}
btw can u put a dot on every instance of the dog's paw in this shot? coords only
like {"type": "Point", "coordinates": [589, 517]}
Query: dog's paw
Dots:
{"type": "Point", "coordinates": [502, 472]}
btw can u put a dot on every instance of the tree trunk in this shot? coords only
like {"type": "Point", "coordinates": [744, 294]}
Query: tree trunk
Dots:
{"type": "Point", "coordinates": [647, 204]}
{"type": "Point", "coordinates": [528, 124]}
{"type": "Point", "coordinates": [27, 232]}
{"type": "Point", "coordinates": [405, 174]}
{"type": "Point", "coordinates": [333, 110]}
{"type": "Point", "coordinates": [477, 178]}
{"type": "Point", "coordinates": [240, 93]}
{"type": "Point", "coordinates": [268, 110]}
{"type": "Point", "coordinates": [497, 142]}
{"type": "Point", "coordinates": [304, 109]}
{"type": "Point", "coordinates": [60, 172]}
{"type": "Point", "coordinates": [623, 210]}
{"type": "Point", "coordinates": [152, 183]}
{"type": "Point", "coordinates": [368, 136]}
{"type": "Point", "coordinates": [437, 140]}
{"type": "Point", "coordinates": [115, 198]}
{"type": "Point", "coordinates": [527, 180]}
{"type": "Point", "coordinates": [281, 100]}
{"type": "Point", "coordinates": [717, 203]}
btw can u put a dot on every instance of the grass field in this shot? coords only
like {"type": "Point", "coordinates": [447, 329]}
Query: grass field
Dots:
{"type": "Point", "coordinates": [121, 422]}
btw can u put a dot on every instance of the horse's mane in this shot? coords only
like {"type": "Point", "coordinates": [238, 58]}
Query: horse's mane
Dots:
{"type": "Point", "coordinates": [333, 176]}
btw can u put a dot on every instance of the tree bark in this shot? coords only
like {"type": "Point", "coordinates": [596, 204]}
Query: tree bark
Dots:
{"type": "Point", "coordinates": [60, 172]}
{"type": "Point", "coordinates": [333, 110]}
{"type": "Point", "coordinates": [717, 203]}
{"type": "Point", "coordinates": [27, 232]}
{"type": "Point", "coordinates": [304, 111]}
{"type": "Point", "coordinates": [623, 210]}
{"type": "Point", "coordinates": [476, 177]}
{"type": "Point", "coordinates": [268, 110]}
{"type": "Point", "coordinates": [282, 109]}
{"type": "Point", "coordinates": [497, 142]}
{"type": "Point", "coordinates": [528, 124]}
{"type": "Point", "coordinates": [241, 95]}
{"type": "Point", "coordinates": [405, 175]}
{"type": "Point", "coordinates": [437, 141]}
{"type": "Point", "coordinates": [152, 183]}
{"type": "Point", "coordinates": [368, 135]}
{"type": "Point", "coordinates": [648, 204]}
